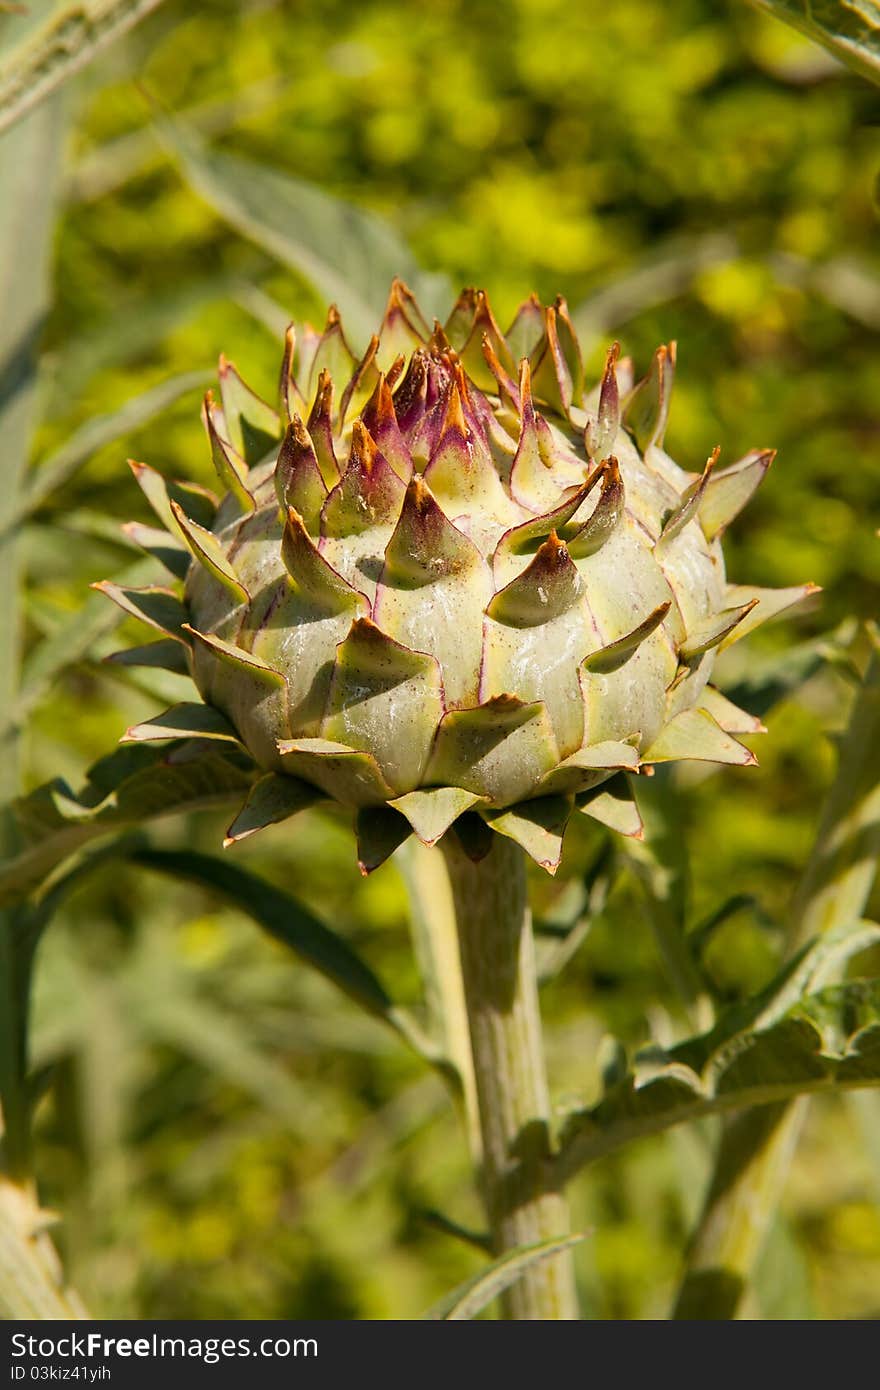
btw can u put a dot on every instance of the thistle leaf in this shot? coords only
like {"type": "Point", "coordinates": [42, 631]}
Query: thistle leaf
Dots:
{"type": "Point", "coordinates": [537, 825]}
{"type": "Point", "coordinates": [386, 700]}
{"type": "Point", "coordinates": [432, 591]}
{"type": "Point", "coordinates": [344, 774]}
{"type": "Point", "coordinates": [730, 489]}
{"type": "Point", "coordinates": [695, 734]}
{"type": "Point", "coordinates": [348, 254]}
{"type": "Point", "coordinates": [826, 1041]}
{"type": "Point", "coordinates": [766, 604]}
{"type": "Point", "coordinates": [183, 721]}
{"type": "Point", "coordinates": [153, 604]}
{"type": "Point", "coordinates": [613, 807]}
{"type": "Point", "coordinates": [616, 654]}
{"type": "Point", "coordinates": [271, 799]}
{"type": "Point", "coordinates": [431, 810]}
{"type": "Point", "coordinates": [380, 831]}
{"type": "Point", "coordinates": [500, 749]}
{"type": "Point", "coordinates": [133, 786]}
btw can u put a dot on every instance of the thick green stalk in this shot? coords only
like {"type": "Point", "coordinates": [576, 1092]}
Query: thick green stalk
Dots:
{"type": "Point", "coordinates": [501, 996]}
{"type": "Point", "coordinates": [756, 1148]}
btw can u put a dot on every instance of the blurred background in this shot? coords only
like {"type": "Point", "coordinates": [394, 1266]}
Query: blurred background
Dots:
{"type": "Point", "coordinates": [223, 1136]}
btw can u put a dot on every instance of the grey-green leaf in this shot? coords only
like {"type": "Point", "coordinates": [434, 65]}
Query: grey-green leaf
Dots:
{"type": "Point", "coordinates": [348, 254]}
{"type": "Point", "coordinates": [41, 52]}
{"type": "Point", "coordinates": [134, 785]}
{"type": "Point", "coordinates": [65, 461]}
{"type": "Point", "coordinates": [282, 916]}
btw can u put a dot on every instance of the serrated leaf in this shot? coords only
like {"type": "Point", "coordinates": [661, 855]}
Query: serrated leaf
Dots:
{"type": "Point", "coordinates": [130, 787]}
{"type": "Point", "coordinates": [828, 1041]}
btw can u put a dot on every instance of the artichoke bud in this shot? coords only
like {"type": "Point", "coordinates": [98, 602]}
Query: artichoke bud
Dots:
{"type": "Point", "coordinates": [447, 584]}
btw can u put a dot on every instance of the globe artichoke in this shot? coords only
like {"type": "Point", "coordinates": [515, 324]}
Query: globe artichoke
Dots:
{"type": "Point", "coordinates": [448, 587]}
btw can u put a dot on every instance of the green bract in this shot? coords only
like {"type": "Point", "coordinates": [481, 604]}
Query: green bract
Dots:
{"type": "Point", "coordinates": [448, 586]}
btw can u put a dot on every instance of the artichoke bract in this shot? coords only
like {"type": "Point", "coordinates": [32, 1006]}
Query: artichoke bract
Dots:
{"type": "Point", "coordinates": [448, 586]}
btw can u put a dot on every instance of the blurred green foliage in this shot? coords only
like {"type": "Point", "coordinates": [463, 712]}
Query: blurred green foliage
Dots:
{"type": "Point", "coordinates": [224, 1136]}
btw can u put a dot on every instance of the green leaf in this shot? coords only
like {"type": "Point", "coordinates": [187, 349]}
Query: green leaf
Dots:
{"type": "Point", "coordinates": [471, 1297]}
{"type": "Point", "coordinates": [827, 1041]}
{"type": "Point", "coordinates": [71, 643]}
{"type": "Point", "coordinates": [850, 29]}
{"type": "Point", "coordinates": [30, 163]}
{"type": "Point", "coordinates": [283, 917]}
{"type": "Point", "coordinates": [190, 719]}
{"type": "Point", "coordinates": [61, 465]}
{"type": "Point", "coordinates": [538, 826]}
{"type": "Point", "coordinates": [272, 799]}
{"type": "Point", "coordinates": [695, 734]}
{"type": "Point", "coordinates": [758, 682]}
{"type": "Point", "coordinates": [348, 254]}
{"type": "Point", "coordinates": [41, 53]}
{"type": "Point", "coordinates": [131, 786]}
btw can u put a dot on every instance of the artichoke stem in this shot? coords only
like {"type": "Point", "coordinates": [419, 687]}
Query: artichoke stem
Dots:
{"type": "Point", "coordinates": [501, 995]}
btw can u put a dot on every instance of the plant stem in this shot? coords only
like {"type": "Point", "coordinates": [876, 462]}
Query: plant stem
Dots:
{"type": "Point", "coordinates": [501, 995]}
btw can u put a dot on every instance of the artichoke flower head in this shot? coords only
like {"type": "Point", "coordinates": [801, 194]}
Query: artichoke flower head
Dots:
{"type": "Point", "coordinates": [449, 586]}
